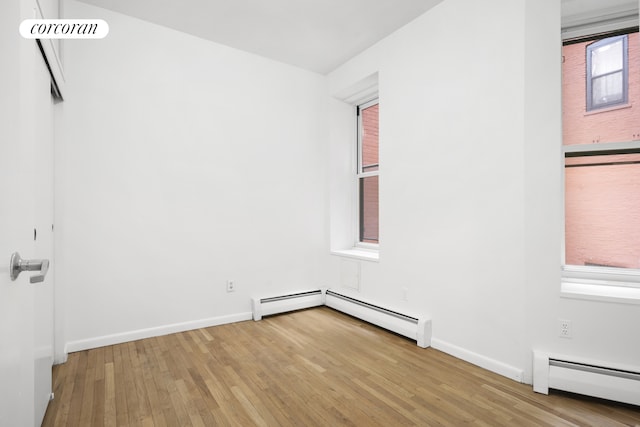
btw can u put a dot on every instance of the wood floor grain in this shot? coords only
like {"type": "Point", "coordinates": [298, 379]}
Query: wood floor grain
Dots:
{"type": "Point", "coordinates": [313, 367]}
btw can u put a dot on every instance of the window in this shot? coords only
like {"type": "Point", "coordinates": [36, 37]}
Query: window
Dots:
{"type": "Point", "coordinates": [607, 72]}
{"type": "Point", "coordinates": [354, 224]}
{"type": "Point", "coordinates": [367, 173]}
{"type": "Point", "coordinates": [602, 165]}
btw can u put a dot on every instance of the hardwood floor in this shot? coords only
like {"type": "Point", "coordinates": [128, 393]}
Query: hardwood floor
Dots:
{"type": "Point", "coordinates": [314, 367]}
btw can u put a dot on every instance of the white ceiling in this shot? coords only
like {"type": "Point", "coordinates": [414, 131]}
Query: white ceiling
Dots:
{"type": "Point", "coordinates": [317, 35]}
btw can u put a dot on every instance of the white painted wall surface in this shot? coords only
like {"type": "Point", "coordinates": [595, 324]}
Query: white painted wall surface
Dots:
{"type": "Point", "coordinates": [471, 185]}
{"type": "Point", "coordinates": [182, 164]}
{"type": "Point", "coordinates": [451, 155]}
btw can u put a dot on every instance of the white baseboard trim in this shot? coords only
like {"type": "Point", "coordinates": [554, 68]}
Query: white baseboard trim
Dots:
{"type": "Point", "coordinates": [438, 344]}
{"type": "Point", "coordinates": [484, 362]}
{"type": "Point", "coordinates": [139, 334]}
{"type": "Point", "coordinates": [59, 359]}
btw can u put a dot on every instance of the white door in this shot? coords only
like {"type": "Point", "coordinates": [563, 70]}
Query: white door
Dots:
{"type": "Point", "coordinates": [26, 198]}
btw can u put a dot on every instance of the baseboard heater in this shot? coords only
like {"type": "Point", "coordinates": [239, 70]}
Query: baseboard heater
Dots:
{"type": "Point", "coordinates": [286, 302]}
{"type": "Point", "coordinates": [587, 378]}
{"type": "Point", "coordinates": [416, 328]}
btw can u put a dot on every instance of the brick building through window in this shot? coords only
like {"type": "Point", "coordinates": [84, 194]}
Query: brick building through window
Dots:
{"type": "Point", "coordinates": [368, 166]}
{"type": "Point", "coordinates": [602, 186]}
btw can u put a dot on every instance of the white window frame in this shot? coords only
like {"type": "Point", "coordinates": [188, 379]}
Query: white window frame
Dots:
{"type": "Point", "coordinates": [367, 246]}
{"type": "Point", "coordinates": [609, 284]}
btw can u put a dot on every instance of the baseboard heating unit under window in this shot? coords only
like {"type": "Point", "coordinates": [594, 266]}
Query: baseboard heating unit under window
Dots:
{"type": "Point", "coordinates": [411, 326]}
{"type": "Point", "coordinates": [415, 327]}
{"type": "Point", "coordinates": [588, 378]}
{"type": "Point", "coordinates": [286, 302]}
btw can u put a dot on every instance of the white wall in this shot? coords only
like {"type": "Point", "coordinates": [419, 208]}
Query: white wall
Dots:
{"type": "Point", "coordinates": [471, 185]}
{"type": "Point", "coordinates": [451, 184]}
{"type": "Point", "coordinates": [181, 164]}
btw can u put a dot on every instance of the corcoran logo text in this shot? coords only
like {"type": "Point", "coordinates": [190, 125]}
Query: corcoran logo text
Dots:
{"type": "Point", "coordinates": [64, 28]}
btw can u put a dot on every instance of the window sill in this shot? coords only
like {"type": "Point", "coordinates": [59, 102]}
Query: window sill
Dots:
{"type": "Point", "coordinates": [607, 109]}
{"type": "Point", "coordinates": [358, 253]}
{"type": "Point", "coordinates": [600, 290]}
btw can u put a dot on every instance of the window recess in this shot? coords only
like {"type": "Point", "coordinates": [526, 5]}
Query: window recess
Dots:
{"type": "Point", "coordinates": [601, 151]}
{"type": "Point", "coordinates": [367, 174]}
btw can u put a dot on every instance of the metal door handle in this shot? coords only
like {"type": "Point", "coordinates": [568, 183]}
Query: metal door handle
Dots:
{"type": "Point", "coordinates": [18, 265]}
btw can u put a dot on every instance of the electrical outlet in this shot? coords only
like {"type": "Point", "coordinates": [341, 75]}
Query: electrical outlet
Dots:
{"type": "Point", "coordinates": [231, 286]}
{"type": "Point", "coordinates": [564, 328]}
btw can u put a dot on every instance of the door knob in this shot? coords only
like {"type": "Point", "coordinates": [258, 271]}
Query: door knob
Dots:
{"type": "Point", "coordinates": [18, 265]}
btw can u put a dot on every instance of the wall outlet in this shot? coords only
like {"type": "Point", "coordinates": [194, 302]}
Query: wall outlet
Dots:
{"type": "Point", "coordinates": [231, 286]}
{"type": "Point", "coordinates": [564, 328]}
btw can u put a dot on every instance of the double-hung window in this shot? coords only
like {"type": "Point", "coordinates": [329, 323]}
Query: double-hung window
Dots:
{"type": "Point", "coordinates": [601, 145]}
{"type": "Point", "coordinates": [607, 72]}
{"type": "Point", "coordinates": [367, 175]}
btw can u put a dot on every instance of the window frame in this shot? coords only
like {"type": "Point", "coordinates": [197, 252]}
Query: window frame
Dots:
{"type": "Point", "coordinates": [359, 175]}
{"type": "Point", "coordinates": [611, 284]}
{"type": "Point", "coordinates": [625, 71]}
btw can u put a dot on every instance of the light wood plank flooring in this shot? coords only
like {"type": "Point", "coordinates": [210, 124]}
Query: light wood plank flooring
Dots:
{"type": "Point", "coordinates": [314, 367]}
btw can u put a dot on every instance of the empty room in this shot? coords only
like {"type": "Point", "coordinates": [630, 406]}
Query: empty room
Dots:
{"type": "Point", "coordinates": [320, 213]}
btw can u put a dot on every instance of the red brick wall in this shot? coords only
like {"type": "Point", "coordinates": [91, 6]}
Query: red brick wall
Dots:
{"type": "Point", "coordinates": [370, 135]}
{"type": "Point", "coordinates": [602, 203]}
{"type": "Point", "coordinates": [603, 212]}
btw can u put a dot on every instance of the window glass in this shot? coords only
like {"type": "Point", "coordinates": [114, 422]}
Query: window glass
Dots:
{"type": "Point", "coordinates": [620, 120]}
{"type": "Point", "coordinates": [602, 210]}
{"type": "Point", "coordinates": [369, 203]}
{"type": "Point", "coordinates": [602, 180]}
{"type": "Point", "coordinates": [369, 143]}
{"type": "Point", "coordinates": [607, 89]}
{"type": "Point", "coordinates": [367, 172]}
{"type": "Point", "coordinates": [606, 59]}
